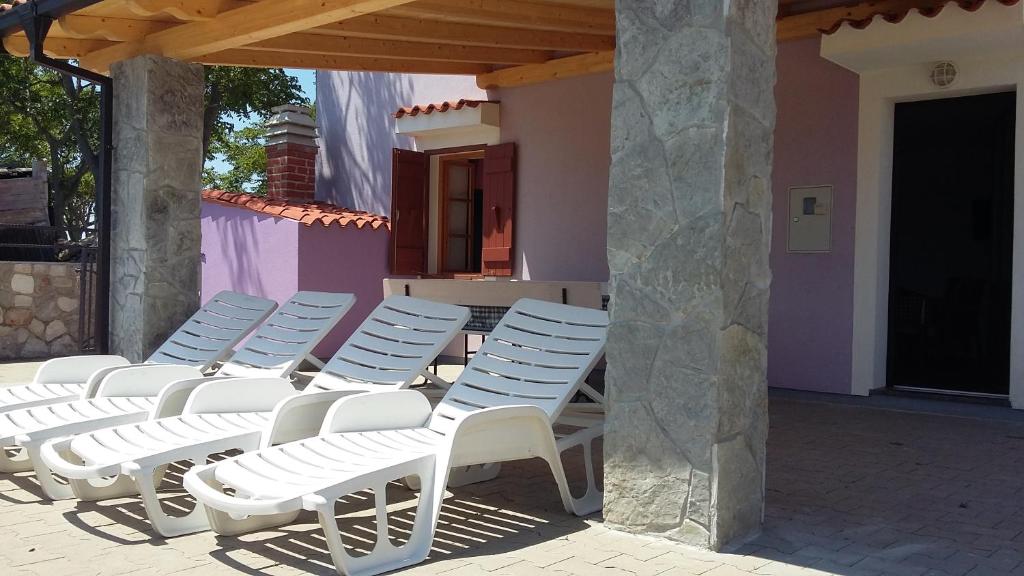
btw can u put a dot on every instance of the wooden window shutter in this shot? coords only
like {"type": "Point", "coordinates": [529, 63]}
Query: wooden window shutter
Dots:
{"type": "Point", "coordinates": [499, 203]}
{"type": "Point", "coordinates": [409, 198]}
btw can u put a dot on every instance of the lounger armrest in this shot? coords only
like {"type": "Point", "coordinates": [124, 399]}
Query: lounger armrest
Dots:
{"type": "Point", "coordinates": [144, 379]}
{"type": "Point", "coordinates": [75, 368]}
{"type": "Point", "coordinates": [238, 395]}
{"type": "Point", "coordinates": [389, 410]}
{"type": "Point", "coordinates": [53, 455]}
{"type": "Point", "coordinates": [173, 396]}
{"type": "Point", "coordinates": [499, 434]}
{"type": "Point", "coordinates": [301, 416]}
{"type": "Point", "coordinates": [201, 483]}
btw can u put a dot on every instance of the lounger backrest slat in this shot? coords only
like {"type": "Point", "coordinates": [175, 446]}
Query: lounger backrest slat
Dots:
{"type": "Point", "coordinates": [289, 335]}
{"type": "Point", "coordinates": [392, 346]}
{"type": "Point", "coordinates": [539, 354]}
{"type": "Point", "coordinates": [213, 331]}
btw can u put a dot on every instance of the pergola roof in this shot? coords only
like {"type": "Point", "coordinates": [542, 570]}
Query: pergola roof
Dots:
{"type": "Point", "coordinates": [502, 42]}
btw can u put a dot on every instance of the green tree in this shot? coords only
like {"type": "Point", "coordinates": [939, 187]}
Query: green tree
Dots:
{"type": "Point", "coordinates": [50, 116]}
{"type": "Point", "coordinates": [242, 149]}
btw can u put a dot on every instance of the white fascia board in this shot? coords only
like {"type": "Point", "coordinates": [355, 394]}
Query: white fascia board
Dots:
{"type": "Point", "coordinates": [952, 34]}
{"type": "Point", "coordinates": [484, 115]}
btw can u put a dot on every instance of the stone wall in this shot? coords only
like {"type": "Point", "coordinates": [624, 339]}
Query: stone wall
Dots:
{"type": "Point", "coordinates": [38, 309]}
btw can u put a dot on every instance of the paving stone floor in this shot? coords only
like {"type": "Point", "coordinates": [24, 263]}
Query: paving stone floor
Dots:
{"type": "Point", "coordinates": [853, 491]}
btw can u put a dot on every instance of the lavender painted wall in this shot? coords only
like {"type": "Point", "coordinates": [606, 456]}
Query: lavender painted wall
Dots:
{"type": "Point", "coordinates": [357, 130]}
{"type": "Point", "coordinates": [811, 310]}
{"type": "Point", "coordinates": [248, 252]}
{"type": "Point", "coordinates": [258, 254]}
{"type": "Point", "coordinates": [344, 260]}
{"type": "Point", "coordinates": [562, 132]}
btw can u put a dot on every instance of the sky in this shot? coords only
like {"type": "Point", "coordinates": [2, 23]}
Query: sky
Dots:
{"type": "Point", "coordinates": [307, 79]}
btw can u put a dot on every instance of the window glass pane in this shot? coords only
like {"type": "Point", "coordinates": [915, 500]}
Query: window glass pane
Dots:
{"type": "Point", "coordinates": [457, 254]}
{"type": "Point", "coordinates": [458, 217]}
{"type": "Point", "coordinates": [458, 181]}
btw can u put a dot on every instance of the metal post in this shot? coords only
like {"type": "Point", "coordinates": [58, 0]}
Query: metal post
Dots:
{"type": "Point", "coordinates": [36, 27]}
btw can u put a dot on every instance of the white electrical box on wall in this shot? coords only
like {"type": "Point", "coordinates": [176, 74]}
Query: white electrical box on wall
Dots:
{"type": "Point", "coordinates": [810, 219]}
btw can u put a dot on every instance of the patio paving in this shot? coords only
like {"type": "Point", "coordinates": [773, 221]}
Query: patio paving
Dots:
{"type": "Point", "coordinates": [853, 490]}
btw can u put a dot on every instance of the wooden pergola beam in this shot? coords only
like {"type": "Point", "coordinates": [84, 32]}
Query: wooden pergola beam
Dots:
{"type": "Point", "coordinates": [59, 48]}
{"type": "Point", "coordinates": [552, 70]}
{"type": "Point", "coordinates": [369, 26]}
{"type": "Point", "coordinates": [251, 23]}
{"type": "Point", "coordinates": [417, 29]}
{"type": "Point", "coordinates": [518, 13]}
{"type": "Point", "coordinates": [114, 29]}
{"type": "Point", "coordinates": [348, 46]}
{"type": "Point", "coordinates": [269, 59]}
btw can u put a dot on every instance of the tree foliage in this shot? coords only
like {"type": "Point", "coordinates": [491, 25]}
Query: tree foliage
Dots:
{"type": "Point", "coordinates": [55, 118]}
{"type": "Point", "coordinates": [49, 116]}
{"type": "Point", "coordinates": [243, 150]}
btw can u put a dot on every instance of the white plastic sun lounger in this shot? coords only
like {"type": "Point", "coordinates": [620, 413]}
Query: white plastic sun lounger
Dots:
{"type": "Point", "coordinates": [501, 408]}
{"type": "Point", "coordinates": [136, 393]}
{"type": "Point", "coordinates": [388, 351]}
{"type": "Point", "coordinates": [206, 338]}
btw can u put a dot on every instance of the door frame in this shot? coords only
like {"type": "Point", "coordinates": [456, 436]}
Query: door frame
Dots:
{"type": "Point", "coordinates": [880, 90]}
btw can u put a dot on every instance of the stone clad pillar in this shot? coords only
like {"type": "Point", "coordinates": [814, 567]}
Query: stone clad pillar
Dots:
{"type": "Point", "coordinates": [155, 238]}
{"type": "Point", "coordinates": [689, 226]}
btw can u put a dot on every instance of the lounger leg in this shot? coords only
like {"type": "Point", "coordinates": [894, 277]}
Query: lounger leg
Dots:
{"type": "Point", "coordinates": [52, 489]}
{"type": "Point", "coordinates": [164, 524]}
{"type": "Point", "coordinates": [385, 556]}
{"type": "Point", "coordinates": [19, 462]}
{"type": "Point", "coordinates": [593, 499]}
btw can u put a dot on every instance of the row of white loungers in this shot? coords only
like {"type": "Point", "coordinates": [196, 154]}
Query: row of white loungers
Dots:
{"type": "Point", "coordinates": [396, 342]}
{"type": "Point", "coordinates": [354, 429]}
{"type": "Point", "coordinates": [206, 338]}
{"type": "Point", "coordinates": [144, 391]}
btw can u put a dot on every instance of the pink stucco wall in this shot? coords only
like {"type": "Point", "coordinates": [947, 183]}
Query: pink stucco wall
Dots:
{"type": "Point", "coordinates": [344, 260]}
{"type": "Point", "coordinates": [248, 252]}
{"type": "Point", "coordinates": [275, 257]}
{"type": "Point", "coordinates": [562, 132]}
{"type": "Point", "coordinates": [811, 311]}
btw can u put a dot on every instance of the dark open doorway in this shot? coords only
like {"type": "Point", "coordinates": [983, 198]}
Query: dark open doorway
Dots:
{"type": "Point", "coordinates": [951, 244]}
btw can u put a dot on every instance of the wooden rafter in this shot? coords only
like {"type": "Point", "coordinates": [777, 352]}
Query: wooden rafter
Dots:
{"type": "Point", "coordinates": [342, 45]}
{"type": "Point", "coordinates": [552, 70]}
{"type": "Point", "coordinates": [536, 15]}
{"type": "Point", "coordinates": [115, 29]}
{"type": "Point", "coordinates": [269, 59]}
{"type": "Point", "coordinates": [382, 26]}
{"type": "Point", "coordinates": [252, 23]}
{"type": "Point", "coordinates": [60, 48]}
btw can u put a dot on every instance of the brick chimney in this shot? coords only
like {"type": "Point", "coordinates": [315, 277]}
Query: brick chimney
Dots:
{"type": "Point", "coordinates": [291, 154]}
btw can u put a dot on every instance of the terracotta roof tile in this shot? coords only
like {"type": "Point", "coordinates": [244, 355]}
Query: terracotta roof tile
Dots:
{"type": "Point", "coordinates": [307, 213]}
{"type": "Point", "coordinates": [438, 107]}
{"type": "Point", "coordinates": [897, 16]}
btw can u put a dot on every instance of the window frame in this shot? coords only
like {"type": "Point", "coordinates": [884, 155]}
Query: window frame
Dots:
{"type": "Point", "coordinates": [442, 209]}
